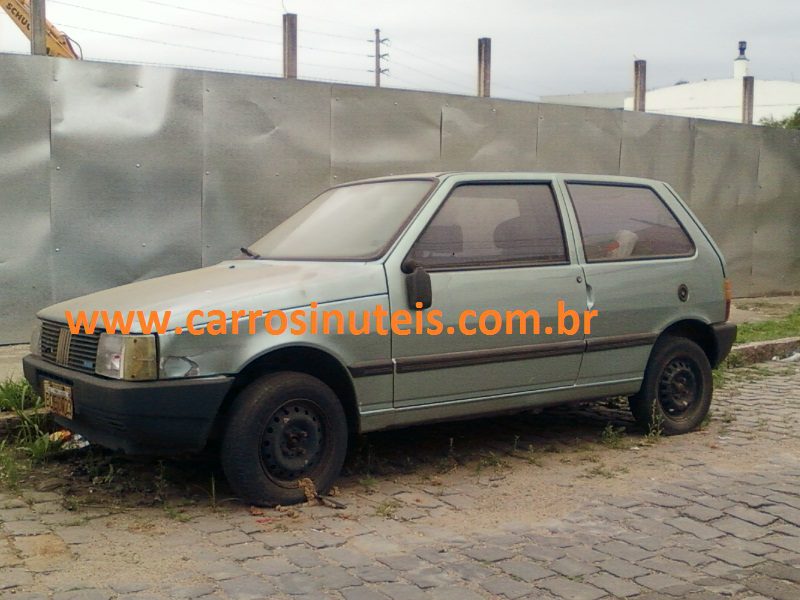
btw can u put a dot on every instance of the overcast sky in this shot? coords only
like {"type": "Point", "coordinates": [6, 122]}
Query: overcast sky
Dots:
{"type": "Point", "coordinates": [538, 48]}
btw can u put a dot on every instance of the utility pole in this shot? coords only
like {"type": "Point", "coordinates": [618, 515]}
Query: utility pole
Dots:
{"type": "Point", "coordinates": [748, 85]}
{"type": "Point", "coordinates": [378, 41]}
{"type": "Point", "coordinates": [38, 28]}
{"type": "Point", "coordinates": [639, 84]}
{"type": "Point", "coordinates": [484, 67]}
{"type": "Point", "coordinates": [290, 46]}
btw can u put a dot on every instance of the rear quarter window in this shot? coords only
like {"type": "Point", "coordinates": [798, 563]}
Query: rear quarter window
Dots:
{"type": "Point", "coordinates": [626, 223]}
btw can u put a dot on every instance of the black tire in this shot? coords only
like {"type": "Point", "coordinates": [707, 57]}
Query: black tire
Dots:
{"type": "Point", "coordinates": [676, 392]}
{"type": "Point", "coordinates": [282, 428]}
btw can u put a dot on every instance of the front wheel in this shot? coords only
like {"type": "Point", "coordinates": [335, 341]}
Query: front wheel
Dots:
{"type": "Point", "coordinates": [283, 428]}
{"type": "Point", "coordinates": [676, 392]}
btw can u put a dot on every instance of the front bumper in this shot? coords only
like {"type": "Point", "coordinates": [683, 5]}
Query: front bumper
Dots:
{"type": "Point", "coordinates": [147, 417]}
{"type": "Point", "coordinates": [724, 336]}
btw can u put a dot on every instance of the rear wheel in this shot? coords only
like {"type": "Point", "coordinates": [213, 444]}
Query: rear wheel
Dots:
{"type": "Point", "coordinates": [676, 392]}
{"type": "Point", "coordinates": [283, 428]}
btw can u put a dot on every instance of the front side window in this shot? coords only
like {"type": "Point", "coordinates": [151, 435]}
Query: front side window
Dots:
{"type": "Point", "coordinates": [493, 224]}
{"type": "Point", "coordinates": [352, 222]}
{"type": "Point", "coordinates": [626, 222]}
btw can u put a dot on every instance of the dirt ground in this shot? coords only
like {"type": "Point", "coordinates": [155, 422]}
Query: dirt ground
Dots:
{"type": "Point", "coordinates": [752, 310]}
{"type": "Point", "coordinates": [91, 518]}
{"type": "Point", "coordinates": [571, 454]}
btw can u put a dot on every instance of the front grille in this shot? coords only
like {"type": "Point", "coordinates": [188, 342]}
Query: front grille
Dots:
{"type": "Point", "coordinates": [76, 351]}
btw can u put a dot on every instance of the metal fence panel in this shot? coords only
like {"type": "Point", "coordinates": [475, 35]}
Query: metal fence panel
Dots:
{"type": "Point", "coordinates": [126, 173]}
{"type": "Point", "coordinates": [383, 132]}
{"type": "Point", "coordinates": [579, 140]}
{"type": "Point", "coordinates": [153, 170]}
{"type": "Point", "coordinates": [723, 192]}
{"type": "Point", "coordinates": [267, 153]}
{"type": "Point", "coordinates": [776, 236]}
{"type": "Point", "coordinates": [484, 135]}
{"type": "Point", "coordinates": [26, 240]}
{"type": "Point", "coordinates": [658, 147]}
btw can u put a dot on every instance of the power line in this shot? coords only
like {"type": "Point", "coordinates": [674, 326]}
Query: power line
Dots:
{"type": "Point", "coordinates": [153, 21]}
{"type": "Point", "coordinates": [194, 67]}
{"type": "Point", "coordinates": [305, 64]}
{"type": "Point", "coordinates": [433, 62]}
{"type": "Point", "coordinates": [241, 20]}
{"type": "Point", "coordinates": [331, 35]}
{"type": "Point", "coordinates": [201, 30]}
{"type": "Point", "coordinates": [460, 70]}
{"type": "Point", "coordinates": [211, 14]}
{"type": "Point", "coordinates": [141, 39]}
{"type": "Point", "coordinates": [449, 82]}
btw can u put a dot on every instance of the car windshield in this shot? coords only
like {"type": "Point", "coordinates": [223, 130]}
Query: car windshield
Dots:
{"type": "Point", "coordinates": [353, 222]}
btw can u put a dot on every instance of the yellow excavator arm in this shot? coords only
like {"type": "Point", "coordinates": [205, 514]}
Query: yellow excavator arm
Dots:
{"type": "Point", "coordinates": [58, 44]}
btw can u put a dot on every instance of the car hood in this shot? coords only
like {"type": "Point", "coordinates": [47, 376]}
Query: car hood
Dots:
{"type": "Point", "coordinates": [232, 285]}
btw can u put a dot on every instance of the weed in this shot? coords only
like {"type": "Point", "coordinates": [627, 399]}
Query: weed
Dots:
{"type": "Point", "coordinates": [719, 376]}
{"type": "Point", "coordinates": [603, 471]}
{"type": "Point", "coordinates": [369, 483]}
{"type": "Point", "coordinates": [532, 456]}
{"type": "Point", "coordinates": [17, 395]}
{"type": "Point", "coordinates": [31, 438]}
{"type": "Point", "coordinates": [787, 326]}
{"type": "Point", "coordinates": [613, 437]}
{"type": "Point", "coordinates": [161, 483]}
{"type": "Point", "coordinates": [213, 494]}
{"type": "Point", "coordinates": [9, 466]}
{"type": "Point", "coordinates": [450, 461]}
{"type": "Point", "coordinates": [490, 460]}
{"type": "Point", "coordinates": [70, 503]}
{"type": "Point", "coordinates": [656, 425]}
{"type": "Point", "coordinates": [41, 448]}
{"type": "Point", "coordinates": [106, 478]}
{"type": "Point", "coordinates": [387, 508]}
{"type": "Point", "coordinates": [176, 514]}
{"type": "Point", "coordinates": [706, 420]}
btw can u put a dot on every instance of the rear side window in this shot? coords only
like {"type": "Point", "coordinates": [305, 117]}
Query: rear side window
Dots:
{"type": "Point", "coordinates": [481, 225]}
{"type": "Point", "coordinates": [626, 222]}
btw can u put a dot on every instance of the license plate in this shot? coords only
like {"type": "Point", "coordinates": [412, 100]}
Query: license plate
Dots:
{"type": "Point", "coordinates": [58, 398]}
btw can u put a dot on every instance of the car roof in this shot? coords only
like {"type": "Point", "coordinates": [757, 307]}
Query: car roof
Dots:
{"type": "Point", "coordinates": [506, 175]}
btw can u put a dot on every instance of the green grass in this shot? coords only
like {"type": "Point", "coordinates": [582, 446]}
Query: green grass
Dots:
{"type": "Point", "coordinates": [613, 437]}
{"type": "Point", "coordinates": [788, 326]}
{"type": "Point", "coordinates": [17, 395]}
{"type": "Point", "coordinates": [31, 443]}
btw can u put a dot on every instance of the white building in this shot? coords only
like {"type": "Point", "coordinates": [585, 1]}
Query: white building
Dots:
{"type": "Point", "coordinates": [721, 99]}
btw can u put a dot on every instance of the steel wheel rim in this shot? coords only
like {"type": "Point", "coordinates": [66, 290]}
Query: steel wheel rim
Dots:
{"type": "Point", "coordinates": [292, 441]}
{"type": "Point", "coordinates": [679, 387]}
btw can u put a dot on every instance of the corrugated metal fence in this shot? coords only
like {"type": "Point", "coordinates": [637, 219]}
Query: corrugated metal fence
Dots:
{"type": "Point", "coordinates": [112, 173]}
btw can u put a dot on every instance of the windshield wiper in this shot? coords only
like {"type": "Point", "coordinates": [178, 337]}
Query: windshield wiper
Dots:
{"type": "Point", "coordinates": [249, 253]}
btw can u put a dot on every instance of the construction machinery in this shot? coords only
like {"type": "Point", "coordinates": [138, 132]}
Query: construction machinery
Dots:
{"type": "Point", "coordinates": [58, 43]}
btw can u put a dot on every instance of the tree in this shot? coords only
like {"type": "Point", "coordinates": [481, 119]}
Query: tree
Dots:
{"type": "Point", "coordinates": [790, 122]}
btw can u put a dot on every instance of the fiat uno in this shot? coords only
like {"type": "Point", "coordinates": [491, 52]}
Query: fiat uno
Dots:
{"type": "Point", "coordinates": [396, 301]}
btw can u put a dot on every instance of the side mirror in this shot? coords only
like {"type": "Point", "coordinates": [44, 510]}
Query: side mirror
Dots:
{"type": "Point", "coordinates": [418, 285]}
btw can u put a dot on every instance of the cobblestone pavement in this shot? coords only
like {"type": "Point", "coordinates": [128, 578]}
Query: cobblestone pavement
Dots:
{"type": "Point", "coordinates": [704, 528]}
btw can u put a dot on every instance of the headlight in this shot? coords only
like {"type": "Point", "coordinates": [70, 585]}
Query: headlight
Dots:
{"type": "Point", "coordinates": [36, 338]}
{"type": "Point", "coordinates": [131, 357]}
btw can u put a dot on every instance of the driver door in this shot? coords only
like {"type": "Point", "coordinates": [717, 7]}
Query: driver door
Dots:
{"type": "Point", "coordinates": [490, 248]}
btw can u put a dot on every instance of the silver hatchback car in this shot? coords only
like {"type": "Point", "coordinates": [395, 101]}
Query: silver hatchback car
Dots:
{"type": "Point", "coordinates": [395, 301]}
